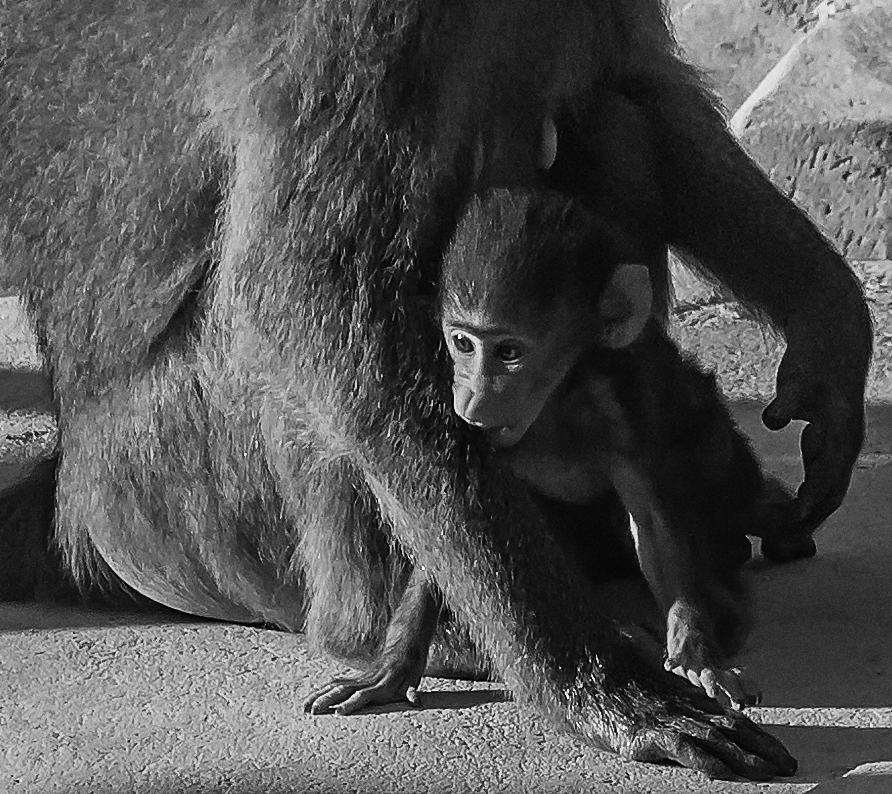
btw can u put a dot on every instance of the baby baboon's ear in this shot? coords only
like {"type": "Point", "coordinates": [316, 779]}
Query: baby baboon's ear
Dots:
{"type": "Point", "coordinates": [625, 306]}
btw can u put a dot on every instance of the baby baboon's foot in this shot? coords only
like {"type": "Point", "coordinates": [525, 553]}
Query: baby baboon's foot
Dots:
{"type": "Point", "coordinates": [774, 521]}
{"type": "Point", "coordinates": [786, 548]}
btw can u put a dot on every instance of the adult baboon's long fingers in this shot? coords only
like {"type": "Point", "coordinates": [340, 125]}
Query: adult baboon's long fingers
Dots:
{"type": "Point", "coordinates": [829, 454]}
{"type": "Point", "coordinates": [390, 688]}
{"type": "Point", "coordinates": [322, 700]}
{"type": "Point", "coordinates": [750, 741]}
{"type": "Point", "coordinates": [743, 757]}
{"type": "Point", "coordinates": [682, 749]}
{"type": "Point", "coordinates": [724, 745]}
{"type": "Point", "coordinates": [830, 443]}
{"type": "Point", "coordinates": [349, 695]}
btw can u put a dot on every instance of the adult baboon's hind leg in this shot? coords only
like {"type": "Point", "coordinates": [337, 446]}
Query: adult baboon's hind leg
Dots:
{"type": "Point", "coordinates": [147, 479]}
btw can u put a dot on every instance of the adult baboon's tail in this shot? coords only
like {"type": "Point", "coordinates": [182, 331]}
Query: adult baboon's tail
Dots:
{"type": "Point", "coordinates": [30, 566]}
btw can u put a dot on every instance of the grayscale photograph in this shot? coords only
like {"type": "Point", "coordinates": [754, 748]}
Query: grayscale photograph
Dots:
{"type": "Point", "coordinates": [445, 396]}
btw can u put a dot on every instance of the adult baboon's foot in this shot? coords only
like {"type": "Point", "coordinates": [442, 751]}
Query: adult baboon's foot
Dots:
{"type": "Point", "coordinates": [350, 694]}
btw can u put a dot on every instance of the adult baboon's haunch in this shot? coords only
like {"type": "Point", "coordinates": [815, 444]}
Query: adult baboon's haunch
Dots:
{"type": "Point", "coordinates": [226, 220]}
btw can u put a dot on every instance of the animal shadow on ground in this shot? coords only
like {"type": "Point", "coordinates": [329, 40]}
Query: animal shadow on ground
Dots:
{"type": "Point", "coordinates": [34, 615]}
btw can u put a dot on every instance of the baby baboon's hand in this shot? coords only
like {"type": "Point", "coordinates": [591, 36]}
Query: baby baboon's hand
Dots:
{"type": "Point", "coordinates": [726, 685]}
{"type": "Point", "coordinates": [692, 655]}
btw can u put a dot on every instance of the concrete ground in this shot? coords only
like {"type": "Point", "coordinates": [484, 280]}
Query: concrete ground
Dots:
{"type": "Point", "coordinates": [115, 703]}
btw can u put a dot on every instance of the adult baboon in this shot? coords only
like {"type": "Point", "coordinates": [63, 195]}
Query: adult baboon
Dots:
{"type": "Point", "coordinates": [226, 220]}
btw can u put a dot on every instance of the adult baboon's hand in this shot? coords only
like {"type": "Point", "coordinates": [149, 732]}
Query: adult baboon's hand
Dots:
{"type": "Point", "coordinates": [392, 683]}
{"type": "Point", "coordinates": [821, 381]}
{"type": "Point", "coordinates": [699, 734]}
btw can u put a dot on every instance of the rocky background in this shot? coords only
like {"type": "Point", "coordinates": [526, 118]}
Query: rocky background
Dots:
{"type": "Point", "coordinates": [809, 89]}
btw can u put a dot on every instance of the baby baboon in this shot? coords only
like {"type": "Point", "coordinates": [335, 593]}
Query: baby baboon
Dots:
{"type": "Point", "coordinates": [547, 314]}
{"type": "Point", "coordinates": [546, 309]}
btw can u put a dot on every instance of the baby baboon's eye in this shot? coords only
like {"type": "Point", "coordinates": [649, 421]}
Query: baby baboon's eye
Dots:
{"type": "Point", "coordinates": [462, 343]}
